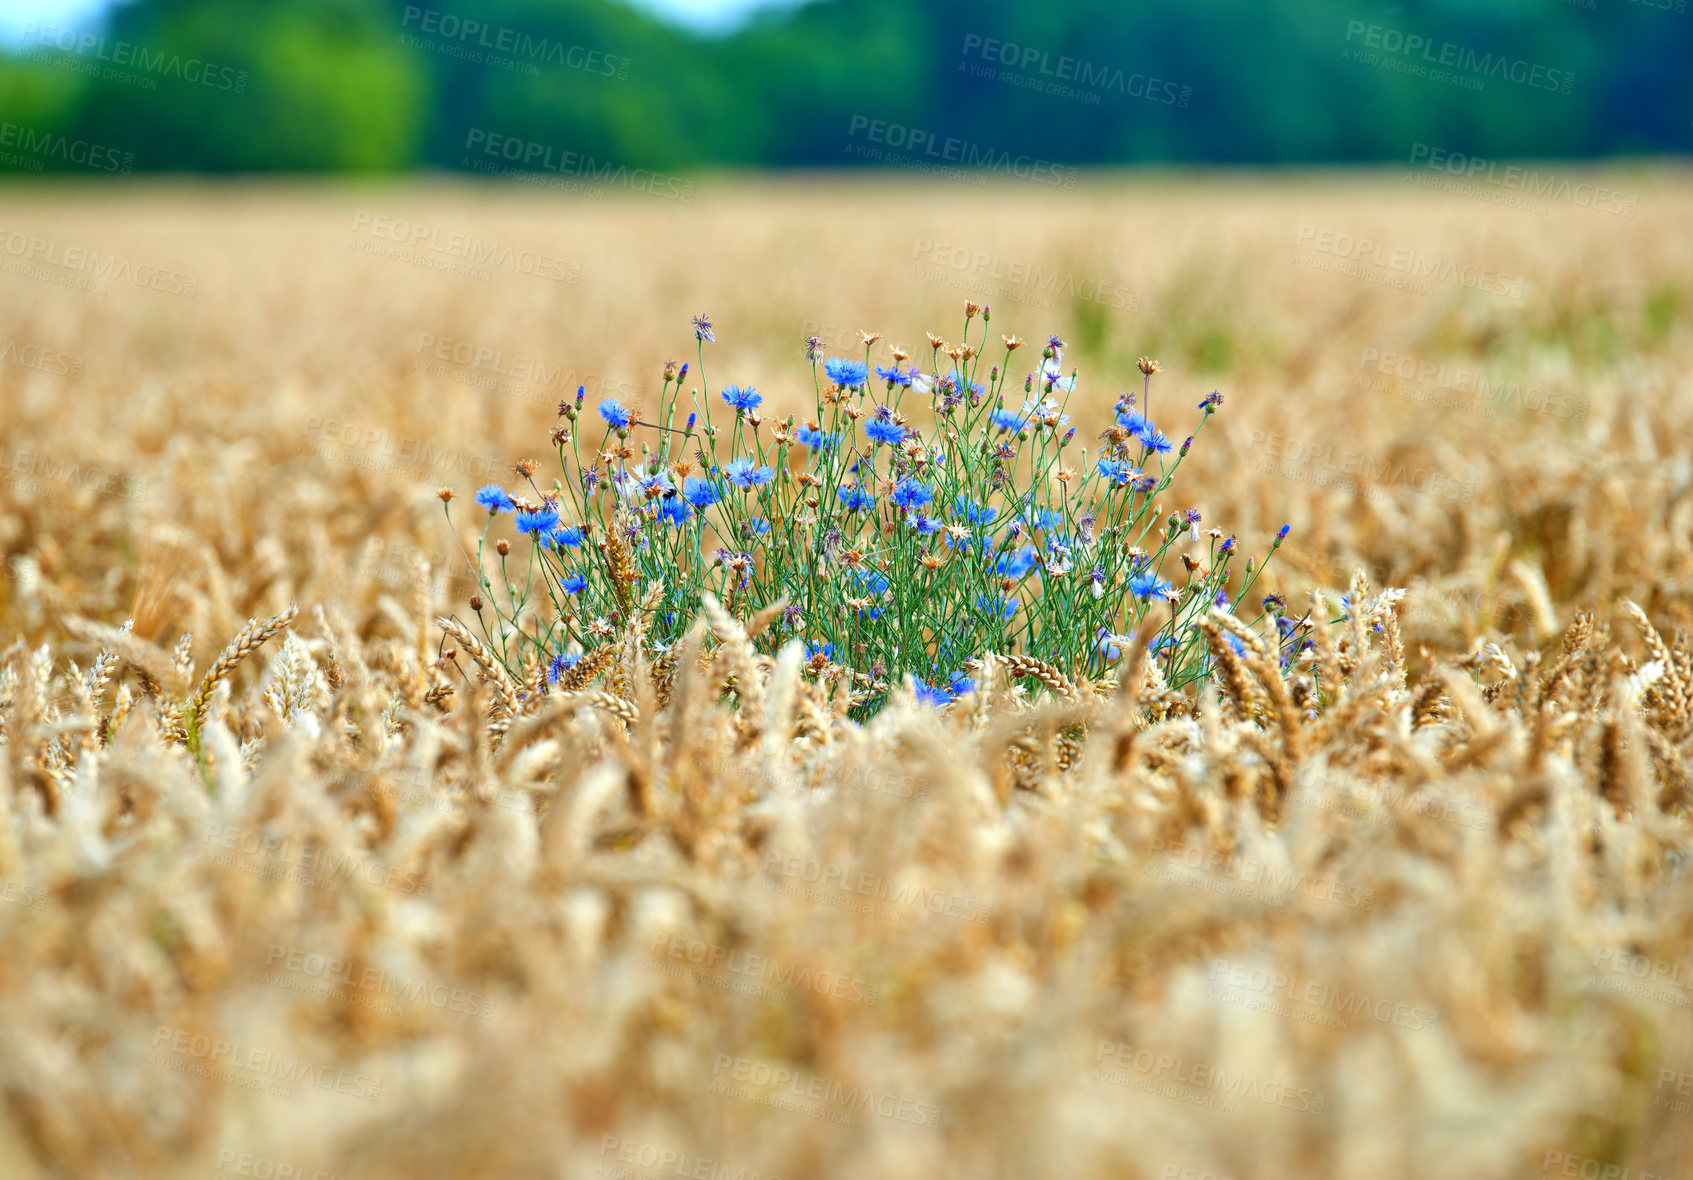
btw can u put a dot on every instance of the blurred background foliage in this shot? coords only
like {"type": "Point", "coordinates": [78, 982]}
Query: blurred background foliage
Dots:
{"type": "Point", "coordinates": [356, 86]}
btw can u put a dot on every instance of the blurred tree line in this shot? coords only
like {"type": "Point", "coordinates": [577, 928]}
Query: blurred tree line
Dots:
{"type": "Point", "coordinates": [383, 85]}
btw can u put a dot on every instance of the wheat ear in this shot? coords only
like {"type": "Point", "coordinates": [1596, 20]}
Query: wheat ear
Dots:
{"type": "Point", "coordinates": [247, 641]}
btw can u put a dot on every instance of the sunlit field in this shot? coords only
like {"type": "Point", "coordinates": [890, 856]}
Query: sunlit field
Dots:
{"type": "Point", "coordinates": [303, 881]}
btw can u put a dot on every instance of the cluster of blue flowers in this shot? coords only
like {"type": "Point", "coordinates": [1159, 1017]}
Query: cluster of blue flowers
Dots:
{"type": "Point", "coordinates": [914, 518]}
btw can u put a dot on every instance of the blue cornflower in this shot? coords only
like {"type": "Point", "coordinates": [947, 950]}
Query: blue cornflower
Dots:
{"type": "Point", "coordinates": [494, 498]}
{"type": "Point", "coordinates": [699, 492]}
{"type": "Point", "coordinates": [702, 333]}
{"type": "Point", "coordinates": [1118, 471]}
{"type": "Point", "coordinates": [848, 374]}
{"type": "Point", "coordinates": [928, 694]}
{"type": "Point", "coordinates": [1211, 401]}
{"type": "Point", "coordinates": [1004, 419]}
{"type": "Point", "coordinates": [961, 683]}
{"type": "Point", "coordinates": [1147, 584]}
{"type": "Point", "coordinates": [1144, 430]}
{"type": "Point", "coordinates": [573, 583]}
{"type": "Point", "coordinates": [673, 510]}
{"type": "Point", "coordinates": [856, 498]}
{"type": "Point", "coordinates": [925, 525]}
{"type": "Point", "coordinates": [568, 535]}
{"type": "Point", "coordinates": [895, 375]}
{"type": "Point", "coordinates": [1041, 519]}
{"type": "Point", "coordinates": [812, 438]}
{"type": "Point", "coordinates": [911, 495]}
{"type": "Point", "coordinates": [745, 473]}
{"type": "Point", "coordinates": [1155, 441]}
{"type": "Point", "coordinates": [536, 523]}
{"type": "Point", "coordinates": [884, 430]}
{"type": "Point", "coordinates": [616, 415]}
{"type": "Point", "coordinates": [1132, 420]}
{"type": "Point", "coordinates": [1016, 563]}
{"type": "Point", "coordinates": [758, 525]}
{"type": "Point", "coordinates": [971, 512]}
{"type": "Point", "coordinates": [824, 649]}
{"type": "Point", "coordinates": [1052, 377]}
{"type": "Point", "coordinates": [872, 580]}
{"type": "Point", "coordinates": [1221, 602]}
{"type": "Point", "coordinates": [1004, 606]}
{"type": "Point", "coordinates": [561, 664]}
{"type": "Point", "coordinates": [1111, 652]}
{"type": "Point", "coordinates": [744, 400]}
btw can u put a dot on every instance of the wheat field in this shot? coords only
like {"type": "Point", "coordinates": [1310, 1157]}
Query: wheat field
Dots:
{"type": "Point", "coordinates": [299, 883]}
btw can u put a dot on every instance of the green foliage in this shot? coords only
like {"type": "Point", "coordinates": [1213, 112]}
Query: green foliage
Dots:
{"type": "Point", "coordinates": [896, 549]}
{"type": "Point", "coordinates": [370, 85]}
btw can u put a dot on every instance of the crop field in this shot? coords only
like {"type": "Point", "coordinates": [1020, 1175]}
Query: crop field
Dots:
{"type": "Point", "coordinates": [1375, 866]}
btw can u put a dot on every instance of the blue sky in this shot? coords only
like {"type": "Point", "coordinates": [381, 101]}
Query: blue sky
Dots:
{"type": "Point", "coordinates": [705, 15]}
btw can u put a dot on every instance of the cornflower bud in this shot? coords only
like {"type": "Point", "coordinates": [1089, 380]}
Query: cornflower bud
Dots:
{"type": "Point", "coordinates": [476, 603]}
{"type": "Point", "coordinates": [502, 546]}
